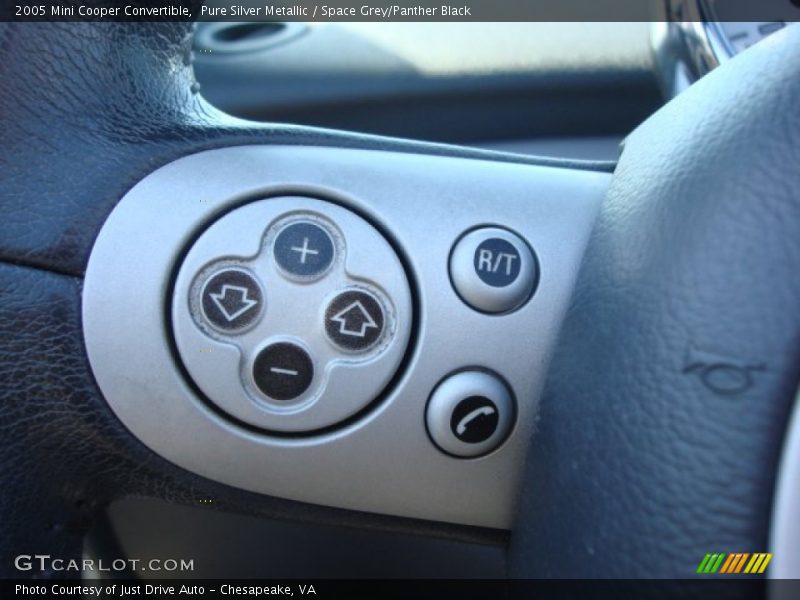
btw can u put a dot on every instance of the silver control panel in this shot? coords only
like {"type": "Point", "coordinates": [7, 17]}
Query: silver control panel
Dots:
{"type": "Point", "coordinates": [360, 329]}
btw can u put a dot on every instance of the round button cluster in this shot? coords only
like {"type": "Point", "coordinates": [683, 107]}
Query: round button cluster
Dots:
{"type": "Point", "coordinates": [493, 270]}
{"type": "Point", "coordinates": [291, 314]}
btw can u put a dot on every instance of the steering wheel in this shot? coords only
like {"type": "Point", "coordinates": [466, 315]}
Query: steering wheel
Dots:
{"type": "Point", "coordinates": [658, 433]}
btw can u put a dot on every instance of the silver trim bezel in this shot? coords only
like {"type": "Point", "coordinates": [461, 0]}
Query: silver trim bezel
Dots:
{"type": "Point", "coordinates": [382, 461]}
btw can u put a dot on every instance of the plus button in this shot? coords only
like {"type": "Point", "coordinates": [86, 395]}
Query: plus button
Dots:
{"type": "Point", "coordinates": [304, 250]}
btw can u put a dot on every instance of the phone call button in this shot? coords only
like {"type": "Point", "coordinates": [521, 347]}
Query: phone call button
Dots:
{"type": "Point", "coordinates": [470, 413]}
{"type": "Point", "coordinates": [474, 419]}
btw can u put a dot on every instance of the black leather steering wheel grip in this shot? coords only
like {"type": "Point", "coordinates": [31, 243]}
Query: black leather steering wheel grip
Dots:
{"type": "Point", "coordinates": [679, 360]}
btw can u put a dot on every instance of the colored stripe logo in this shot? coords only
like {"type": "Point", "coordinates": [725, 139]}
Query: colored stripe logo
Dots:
{"type": "Point", "coordinates": [734, 563]}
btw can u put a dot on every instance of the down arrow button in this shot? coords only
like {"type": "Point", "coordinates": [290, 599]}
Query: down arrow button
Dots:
{"type": "Point", "coordinates": [354, 320]}
{"type": "Point", "coordinates": [231, 300]}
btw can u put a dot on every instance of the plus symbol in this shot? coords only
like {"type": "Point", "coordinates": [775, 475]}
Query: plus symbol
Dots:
{"type": "Point", "coordinates": [304, 250]}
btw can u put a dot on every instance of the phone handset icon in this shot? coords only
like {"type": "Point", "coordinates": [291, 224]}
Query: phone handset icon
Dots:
{"type": "Point", "coordinates": [469, 418]}
{"type": "Point", "coordinates": [474, 419]}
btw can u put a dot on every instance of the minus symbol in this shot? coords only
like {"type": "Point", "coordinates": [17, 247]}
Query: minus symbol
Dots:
{"type": "Point", "coordinates": [283, 371]}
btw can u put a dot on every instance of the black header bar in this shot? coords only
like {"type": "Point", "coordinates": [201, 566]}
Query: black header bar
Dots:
{"type": "Point", "coordinates": [323, 11]}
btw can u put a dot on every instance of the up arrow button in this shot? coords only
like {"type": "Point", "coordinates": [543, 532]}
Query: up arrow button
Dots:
{"type": "Point", "coordinates": [354, 320]}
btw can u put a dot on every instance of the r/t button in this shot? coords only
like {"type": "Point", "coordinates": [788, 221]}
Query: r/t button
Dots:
{"type": "Point", "coordinates": [493, 270]}
{"type": "Point", "coordinates": [497, 262]}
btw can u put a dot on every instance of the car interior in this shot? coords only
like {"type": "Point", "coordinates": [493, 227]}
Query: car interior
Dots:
{"type": "Point", "coordinates": [308, 299]}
